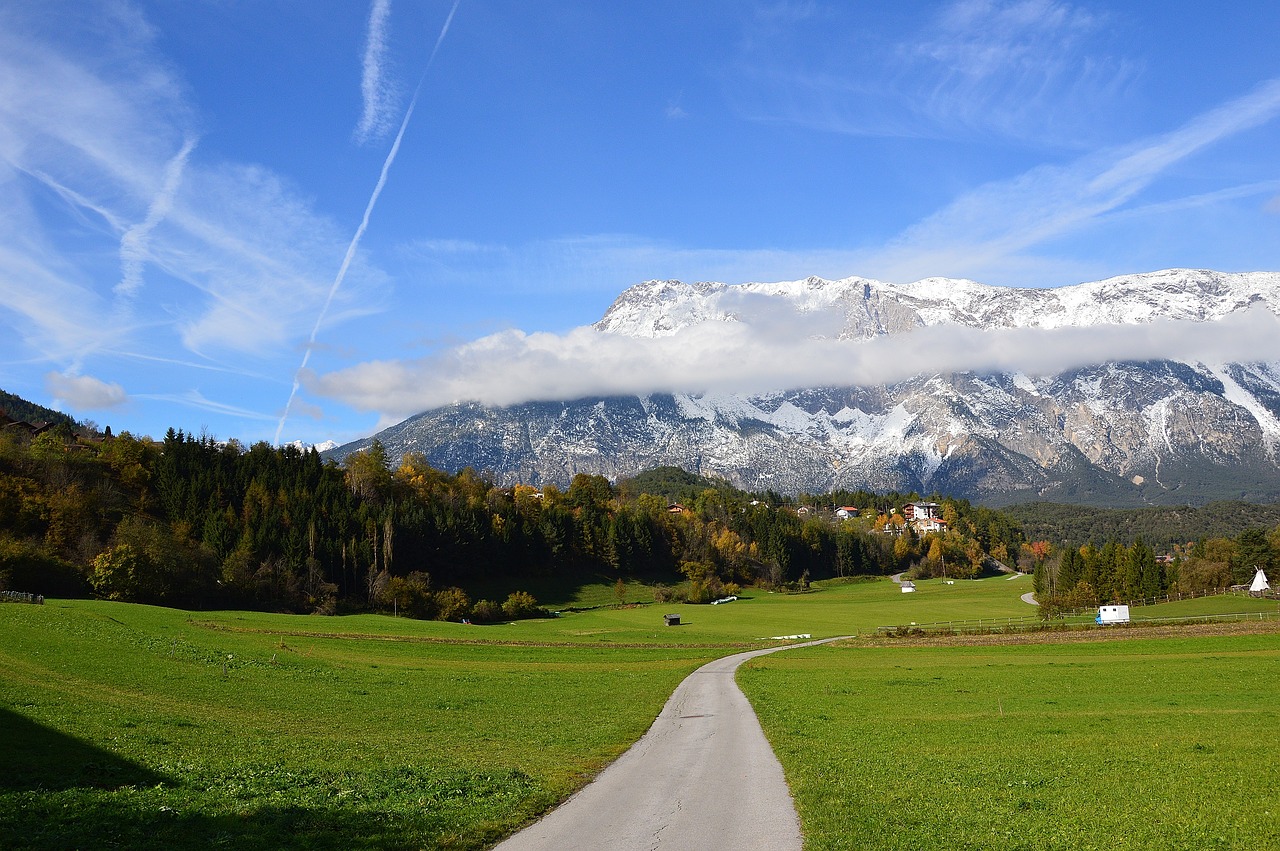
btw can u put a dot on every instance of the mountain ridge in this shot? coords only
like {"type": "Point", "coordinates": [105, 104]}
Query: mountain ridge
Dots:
{"type": "Point", "coordinates": [1113, 433]}
{"type": "Point", "coordinates": [1187, 294]}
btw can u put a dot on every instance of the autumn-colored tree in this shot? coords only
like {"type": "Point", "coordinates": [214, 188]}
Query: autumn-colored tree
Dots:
{"type": "Point", "coordinates": [452, 604]}
{"type": "Point", "coordinates": [410, 595]}
{"type": "Point", "coordinates": [521, 604]}
{"type": "Point", "coordinates": [368, 475]}
{"type": "Point", "coordinates": [121, 573]}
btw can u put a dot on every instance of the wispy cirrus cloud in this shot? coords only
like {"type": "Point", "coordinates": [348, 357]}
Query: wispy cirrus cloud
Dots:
{"type": "Point", "coordinates": [1039, 69]}
{"type": "Point", "coordinates": [986, 233]}
{"type": "Point", "coordinates": [100, 168]}
{"type": "Point", "coordinates": [997, 64]}
{"type": "Point", "coordinates": [995, 233]}
{"type": "Point", "coordinates": [198, 401]}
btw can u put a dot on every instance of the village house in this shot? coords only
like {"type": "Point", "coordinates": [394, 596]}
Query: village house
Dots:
{"type": "Point", "coordinates": [896, 524]}
{"type": "Point", "coordinates": [919, 510]}
{"type": "Point", "coordinates": [21, 426]}
{"type": "Point", "coordinates": [924, 525]}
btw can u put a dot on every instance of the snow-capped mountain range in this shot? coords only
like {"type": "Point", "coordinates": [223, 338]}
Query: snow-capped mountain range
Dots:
{"type": "Point", "coordinates": [1116, 433]}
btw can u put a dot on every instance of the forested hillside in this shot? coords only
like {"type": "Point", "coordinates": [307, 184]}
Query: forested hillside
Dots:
{"type": "Point", "coordinates": [17, 408]}
{"type": "Point", "coordinates": [1161, 527]}
{"type": "Point", "coordinates": [189, 521]}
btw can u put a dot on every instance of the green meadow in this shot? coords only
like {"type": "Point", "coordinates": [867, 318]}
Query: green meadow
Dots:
{"type": "Point", "coordinates": [1146, 743]}
{"type": "Point", "coordinates": [132, 726]}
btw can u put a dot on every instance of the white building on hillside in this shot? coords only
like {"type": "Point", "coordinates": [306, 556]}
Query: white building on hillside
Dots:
{"type": "Point", "coordinates": [920, 510]}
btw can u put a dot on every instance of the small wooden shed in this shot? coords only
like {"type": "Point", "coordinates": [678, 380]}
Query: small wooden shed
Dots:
{"type": "Point", "coordinates": [671, 620]}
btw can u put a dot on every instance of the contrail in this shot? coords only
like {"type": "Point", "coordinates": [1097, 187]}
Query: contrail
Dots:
{"type": "Point", "coordinates": [133, 243]}
{"type": "Point", "coordinates": [134, 239]}
{"type": "Point", "coordinates": [374, 118]}
{"type": "Point", "coordinates": [364, 224]}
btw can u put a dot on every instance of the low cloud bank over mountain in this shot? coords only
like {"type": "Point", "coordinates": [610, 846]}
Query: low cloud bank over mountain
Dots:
{"type": "Point", "coordinates": [755, 339]}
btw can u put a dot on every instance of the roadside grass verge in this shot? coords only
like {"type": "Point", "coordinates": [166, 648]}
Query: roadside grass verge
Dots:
{"type": "Point", "coordinates": [1137, 743]}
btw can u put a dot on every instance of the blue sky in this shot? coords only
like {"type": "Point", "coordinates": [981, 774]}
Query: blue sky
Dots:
{"type": "Point", "coordinates": [183, 231]}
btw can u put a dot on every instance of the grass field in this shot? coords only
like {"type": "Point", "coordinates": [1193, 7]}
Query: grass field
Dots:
{"type": "Point", "coordinates": [1146, 743]}
{"type": "Point", "coordinates": [133, 726]}
{"type": "Point", "coordinates": [120, 728]}
{"type": "Point", "coordinates": [834, 608]}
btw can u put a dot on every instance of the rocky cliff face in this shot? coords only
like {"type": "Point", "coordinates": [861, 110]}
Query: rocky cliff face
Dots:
{"type": "Point", "coordinates": [1114, 433]}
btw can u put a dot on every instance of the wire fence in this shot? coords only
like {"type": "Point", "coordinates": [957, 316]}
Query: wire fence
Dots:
{"type": "Point", "coordinates": [21, 597]}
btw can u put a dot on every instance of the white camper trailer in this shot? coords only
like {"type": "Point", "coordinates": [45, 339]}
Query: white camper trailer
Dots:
{"type": "Point", "coordinates": [1113, 614]}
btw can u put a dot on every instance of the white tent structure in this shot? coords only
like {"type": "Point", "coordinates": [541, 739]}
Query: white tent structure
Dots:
{"type": "Point", "coordinates": [1260, 583]}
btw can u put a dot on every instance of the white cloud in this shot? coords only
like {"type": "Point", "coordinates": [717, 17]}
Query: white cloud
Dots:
{"type": "Point", "coordinates": [84, 392]}
{"type": "Point", "coordinates": [736, 357]}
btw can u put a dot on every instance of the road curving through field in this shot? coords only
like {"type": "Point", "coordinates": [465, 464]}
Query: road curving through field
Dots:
{"type": "Point", "coordinates": [703, 776]}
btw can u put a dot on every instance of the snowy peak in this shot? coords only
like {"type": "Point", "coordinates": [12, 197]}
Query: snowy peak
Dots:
{"type": "Point", "coordinates": [323, 446]}
{"type": "Point", "coordinates": [864, 308]}
{"type": "Point", "coordinates": [1124, 433]}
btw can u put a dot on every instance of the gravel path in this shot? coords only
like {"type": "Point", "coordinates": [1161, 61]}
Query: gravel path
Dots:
{"type": "Point", "coordinates": [703, 777]}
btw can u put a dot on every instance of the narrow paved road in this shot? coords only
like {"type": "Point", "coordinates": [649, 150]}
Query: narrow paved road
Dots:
{"type": "Point", "coordinates": [703, 777]}
{"type": "Point", "coordinates": [1030, 597]}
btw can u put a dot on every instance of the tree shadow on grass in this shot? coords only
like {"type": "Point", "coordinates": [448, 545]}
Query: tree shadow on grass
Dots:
{"type": "Point", "coordinates": [109, 822]}
{"type": "Point", "coordinates": [57, 791]}
{"type": "Point", "coordinates": [38, 758]}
